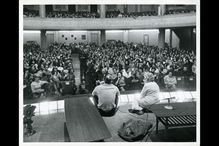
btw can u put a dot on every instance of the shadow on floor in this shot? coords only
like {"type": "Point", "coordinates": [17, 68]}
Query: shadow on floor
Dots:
{"type": "Point", "coordinates": [185, 134]}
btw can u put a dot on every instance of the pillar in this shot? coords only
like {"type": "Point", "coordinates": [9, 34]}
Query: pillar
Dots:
{"type": "Point", "coordinates": [138, 8]}
{"type": "Point", "coordinates": [76, 8]}
{"type": "Point", "coordinates": [56, 36]}
{"type": "Point", "coordinates": [171, 37]}
{"type": "Point", "coordinates": [125, 36]}
{"type": "Point", "coordinates": [42, 10]}
{"type": "Point", "coordinates": [191, 31]}
{"type": "Point", "coordinates": [161, 10]}
{"type": "Point", "coordinates": [125, 8]}
{"type": "Point", "coordinates": [102, 36]}
{"type": "Point", "coordinates": [43, 39]}
{"type": "Point", "coordinates": [161, 38]}
{"type": "Point", "coordinates": [102, 11]}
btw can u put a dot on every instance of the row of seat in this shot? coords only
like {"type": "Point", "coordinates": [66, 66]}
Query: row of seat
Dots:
{"type": "Point", "coordinates": [183, 83]}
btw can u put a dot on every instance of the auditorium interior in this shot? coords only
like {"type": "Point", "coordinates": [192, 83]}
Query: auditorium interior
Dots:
{"type": "Point", "coordinates": [69, 46]}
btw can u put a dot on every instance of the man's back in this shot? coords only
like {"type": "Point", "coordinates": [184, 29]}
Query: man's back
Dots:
{"type": "Point", "coordinates": [106, 94]}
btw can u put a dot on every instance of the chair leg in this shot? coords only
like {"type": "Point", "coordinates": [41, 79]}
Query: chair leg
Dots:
{"type": "Point", "coordinates": [157, 122]}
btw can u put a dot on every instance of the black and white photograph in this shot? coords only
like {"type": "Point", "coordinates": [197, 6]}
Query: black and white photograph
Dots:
{"type": "Point", "coordinates": [109, 72]}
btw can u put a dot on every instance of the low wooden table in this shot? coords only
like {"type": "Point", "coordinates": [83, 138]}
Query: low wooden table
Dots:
{"type": "Point", "coordinates": [182, 114]}
{"type": "Point", "coordinates": [83, 121]}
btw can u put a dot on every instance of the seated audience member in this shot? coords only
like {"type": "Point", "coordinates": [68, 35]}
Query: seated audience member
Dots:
{"type": "Point", "coordinates": [120, 82]}
{"type": "Point", "coordinates": [106, 97]}
{"type": "Point", "coordinates": [194, 68]}
{"type": "Point", "coordinates": [82, 89]}
{"type": "Point", "coordinates": [69, 88]}
{"type": "Point", "coordinates": [36, 86]}
{"type": "Point", "coordinates": [149, 95]}
{"type": "Point", "coordinates": [56, 80]}
{"type": "Point", "coordinates": [170, 81]}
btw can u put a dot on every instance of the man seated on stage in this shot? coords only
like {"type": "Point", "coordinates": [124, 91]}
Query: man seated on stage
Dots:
{"type": "Point", "coordinates": [106, 97]}
{"type": "Point", "coordinates": [36, 86]}
{"type": "Point", "coordinates": [148, 96]}
{"type": "Point", "coordinates": [170, 81]}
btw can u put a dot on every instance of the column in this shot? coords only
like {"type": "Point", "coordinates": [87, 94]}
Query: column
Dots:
{"type": "Point", "coordinates": [102, 11]}
{"type": "Point", "coordinates": [89, 7]}
{"type": "Point", "coordinates": [125, 36]}
{"type": "Point", "coordinates": [138, 8]}
{"type": "Point", "coordinates": [56, 36]}
{"type": "Point", "coordinates": [42, 11]}
{"type": "Point", "coordinates": [161, 10]}
{"type": "Point", "coordinates": [125, 8]}
{"type": "Point", "coordinates": [76, 8]}
{"type": "Point", "coordinates": [102, 36]}
{"type": "Point", "coordinates": [43, 39]}
{"type": "Point", "coordinates": [171, 36]}
{"type": "Point", "coordinates": [161, 38]}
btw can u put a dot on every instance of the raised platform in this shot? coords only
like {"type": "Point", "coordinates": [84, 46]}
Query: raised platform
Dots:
{"type": "Point", "coordinates": [51, 105]}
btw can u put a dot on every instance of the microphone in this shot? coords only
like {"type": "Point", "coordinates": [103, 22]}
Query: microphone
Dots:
{"type": "Point", "coordinates": [169, 106]}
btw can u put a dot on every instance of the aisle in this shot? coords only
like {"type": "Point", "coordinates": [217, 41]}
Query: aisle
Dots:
{"type": "Point", "coordinates": [76, 66]}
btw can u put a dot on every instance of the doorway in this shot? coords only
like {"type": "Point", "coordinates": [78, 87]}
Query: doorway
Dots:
{"type": "Point", "coordinates": [146, 39]}
{"type": "Point", "coordinates": [72, 8]}
{"type": "Point", "coordinates": [94, 38]}
{"type": "Point", "coordinates": [93, 8]}
{"type": "Point", "coordinates": [50, 39]}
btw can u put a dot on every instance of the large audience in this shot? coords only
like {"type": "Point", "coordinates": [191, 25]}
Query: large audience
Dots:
{"type": "Point", "coordinates": [179, 11]}
{"type": "Point", "coordinates": [126, 62]}
{"type": "Point", "coordinates": [30, 13]}
{"type": "Point", "coordinates": [53, 65]}
{"type": "Point", "coordinates": [118, 14]}
{"type": "Point", "coordinates": [109, 14]}
{"type": "Point", "coordinates": [78, 14]}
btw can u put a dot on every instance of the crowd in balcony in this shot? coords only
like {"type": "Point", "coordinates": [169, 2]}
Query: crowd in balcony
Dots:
{"type": "Point", "coordinates": [109, 14]}
{"type": "Point", "coordinates": [179, 11]}
{"type": "Point", "coordinates": [118, 14]}
{"type": "Point", "coordinates": [52, 66]}
{"type": "Point", "coordinates": [30, 13]}
{"type": "Point", "coordinates": [78, 14]}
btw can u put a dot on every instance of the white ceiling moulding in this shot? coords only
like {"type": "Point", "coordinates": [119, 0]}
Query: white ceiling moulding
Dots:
{"type": "Point", "coordinates": [140, 30]}
{"type": "Point", "coordinates": [29, 31]}
{"type": "Point", "coordinates": [72, 31]}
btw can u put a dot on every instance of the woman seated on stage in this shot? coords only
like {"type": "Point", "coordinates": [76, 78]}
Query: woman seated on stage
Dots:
{"type": "Point", "coordinates": [149, 95]}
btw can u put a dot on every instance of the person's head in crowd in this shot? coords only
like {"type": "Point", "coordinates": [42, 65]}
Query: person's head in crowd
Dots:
{"type": "Point", "coordinates": [108, 79]}
{"type": "Point", "coordinates": [119, 74]}
{"type": "Point", "coordinates": [148, 77]}
{"type": "Point", "coordinates": [36, 78]}
{"type": "Point", "coordinates": [170, 73]}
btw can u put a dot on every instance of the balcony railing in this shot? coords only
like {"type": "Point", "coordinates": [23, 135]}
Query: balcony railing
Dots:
{"type": "Point", "coordinates": [146, 22]}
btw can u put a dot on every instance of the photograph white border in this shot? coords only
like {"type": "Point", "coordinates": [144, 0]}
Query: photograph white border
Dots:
{"type": "Point", "coordinates": [22, 2]}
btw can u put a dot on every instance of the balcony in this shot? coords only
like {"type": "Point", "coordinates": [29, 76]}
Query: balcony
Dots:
{"type": "Point", "coordinates": [147, 22]}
